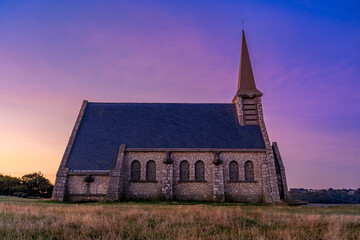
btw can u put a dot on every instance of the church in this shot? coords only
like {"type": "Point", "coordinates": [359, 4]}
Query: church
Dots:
{"type": "Point", "coordinates": [174, 151]}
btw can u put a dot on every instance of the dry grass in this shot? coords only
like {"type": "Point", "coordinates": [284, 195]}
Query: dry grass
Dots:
{"type": "Point", "coordinates": [36, 219]}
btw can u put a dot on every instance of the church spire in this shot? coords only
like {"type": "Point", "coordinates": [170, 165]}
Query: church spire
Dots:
{"type": "Point", "coordinates": [246, 82]}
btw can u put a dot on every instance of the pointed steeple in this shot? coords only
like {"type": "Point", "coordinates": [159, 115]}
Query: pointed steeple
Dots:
{"type": "Point", "coordinates": [246, 83]}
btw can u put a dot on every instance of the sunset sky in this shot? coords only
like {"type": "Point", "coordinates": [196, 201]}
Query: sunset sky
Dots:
{"type": "Point", "coordinates": [305, 57]}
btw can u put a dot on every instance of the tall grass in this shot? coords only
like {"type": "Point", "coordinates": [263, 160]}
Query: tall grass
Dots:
{"type": "Point", "coordinates": [34, 219]}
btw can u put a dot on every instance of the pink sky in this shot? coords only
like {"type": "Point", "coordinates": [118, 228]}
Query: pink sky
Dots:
{"type": "Point", "coordinates": [305, 58]}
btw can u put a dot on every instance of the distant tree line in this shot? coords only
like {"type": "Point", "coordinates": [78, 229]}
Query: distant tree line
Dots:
{"type": "Point", "coordinates": [330, 195]}
{"type": "Point", "coordinates": [33, 184]}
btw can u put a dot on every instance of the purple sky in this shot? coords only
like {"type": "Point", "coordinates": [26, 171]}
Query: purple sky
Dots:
{"type": "Point", "coordinates": [305, 57]}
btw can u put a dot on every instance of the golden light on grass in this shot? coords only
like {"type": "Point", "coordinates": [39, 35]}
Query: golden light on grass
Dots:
{"type": "Point", "coordinates": [37, 219]}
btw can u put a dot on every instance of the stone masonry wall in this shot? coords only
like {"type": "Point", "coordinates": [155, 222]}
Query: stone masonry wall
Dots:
{"type": "Point", "coordinates": [218, 181]}
{"type": "Point", "coordinates": [193, 190]}
{"type": "Point", "coordinates": [78, 190]}
{"type": "Point", "coordinates": [76, 185]}
{"type": "Point", "coordinates": [136, 190]}
{"type": "Point", "coordinates": [283, 181]}
{"type": "Point", "coordinates": [116, 184]}
{"type": "Point", "coordinates": [242, 190]}
{"type": "Point", "coordinates": [167, 190]}
{"type": "Point", "coordinates": [215, 187]}
{"type": "Point", "coordinates": [238, 101]}
{"type": "Point", "coordinates": [270, 186]}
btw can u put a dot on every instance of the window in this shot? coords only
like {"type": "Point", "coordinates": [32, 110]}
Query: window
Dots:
{"type": "Point", "coordinates": [199, 170]}
{"type": "Point", "coordinates": [150, 170]}
{"type": "Point", "coordinates": [184, 170]}
{"type": "Point", "coordinates": [233, 171]}
{"type": "Point", "coordinates": [249, 171]}
{"type": "Point", "coordinates": [87, 188]}
{"type": "Point", "coordinates": [135, 170]}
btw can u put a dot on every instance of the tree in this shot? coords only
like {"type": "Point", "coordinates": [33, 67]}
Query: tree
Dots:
{"type": "Point", "coordinates": [37, 185]}
{"type": "Point", "coordinates": [9, 185]}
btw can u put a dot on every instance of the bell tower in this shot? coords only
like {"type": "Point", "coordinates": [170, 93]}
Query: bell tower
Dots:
{"type": "Point", "coordinates": [249, 111]}
{"type": "Point", "coordinates": [247, 96]}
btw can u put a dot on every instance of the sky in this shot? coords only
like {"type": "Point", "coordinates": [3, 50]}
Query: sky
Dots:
{"type": "Point", "coordinates": [305, 57]}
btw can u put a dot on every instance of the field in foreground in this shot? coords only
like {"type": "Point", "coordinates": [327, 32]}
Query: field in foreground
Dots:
{"type": "Point", "coordinates": [43, 219]}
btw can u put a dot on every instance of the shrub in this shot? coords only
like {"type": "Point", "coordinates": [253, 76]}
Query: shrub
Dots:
{"type": "Point", "coordinates": [34, 184]}
{"type": "Point", "coordinates": [24, 195]}
{"type": "Point", "coordinates": [37, 185]}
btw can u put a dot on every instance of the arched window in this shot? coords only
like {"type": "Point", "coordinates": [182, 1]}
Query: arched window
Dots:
{"type": "Point", "coordinates": [135, 170]}
{"type": "Point", "coordinates": [249, 171]}
{"type": "Point", "coordinates": [199, 170]}
{"type": "Point", "coordinates": [184, 170]}
{"type": "Point", "coordinates": [150, 170]}
{"type": "Point", "coordinates": [233, 171]}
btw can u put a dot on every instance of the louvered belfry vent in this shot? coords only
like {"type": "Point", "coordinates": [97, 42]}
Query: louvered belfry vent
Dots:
{"type": "Point", "coordinates": [250, 111]}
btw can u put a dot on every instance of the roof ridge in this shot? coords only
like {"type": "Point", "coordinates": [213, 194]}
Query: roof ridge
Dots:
{"type": "Point", "coordinates": [154, 103]}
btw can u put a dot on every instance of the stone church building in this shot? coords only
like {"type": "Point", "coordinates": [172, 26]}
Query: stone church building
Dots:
{"type": "Point", "coordinates": [174, 151]}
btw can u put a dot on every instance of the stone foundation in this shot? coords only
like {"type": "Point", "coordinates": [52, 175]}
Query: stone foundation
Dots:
{"type": "Point", "coordinates": [87, 198]}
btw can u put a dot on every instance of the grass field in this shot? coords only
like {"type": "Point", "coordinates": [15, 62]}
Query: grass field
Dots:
{"type": "Point", "coordinates": [44, 219]}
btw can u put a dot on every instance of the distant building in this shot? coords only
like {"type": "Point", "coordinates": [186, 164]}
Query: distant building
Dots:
{"type": "Point", "coordinates": [174, 151]}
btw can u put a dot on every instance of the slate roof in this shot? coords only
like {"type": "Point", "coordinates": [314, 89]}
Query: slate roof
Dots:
{"type": "Point", "coordinates": [156, 125]}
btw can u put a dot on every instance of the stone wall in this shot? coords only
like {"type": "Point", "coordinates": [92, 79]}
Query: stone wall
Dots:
{"type": "Point", "coordinates": [241, 190]}
{"type": "Point", "coordinates": [136, 190]}
{"type": "Point", "coordinates": [79, 190]}
{"type": "Point", "coordinates": [280, 171]}
{"type": "Point", "coordinates": [192, 189]}
{"type": "Point", "coordinates": [239, 109]}
{"type": "Point", "coordinates": [218, 179]}
{"type": "Point", "coordinates": [215, 187]}
{"type": "Point", "coordinates": [116, 181]}
{"type": "Point", "coordinates": [76, 185]}
{"type": "Point", "coordinates": [167, 190]}
{"type": "Point", "coordinates": [270, 186]}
